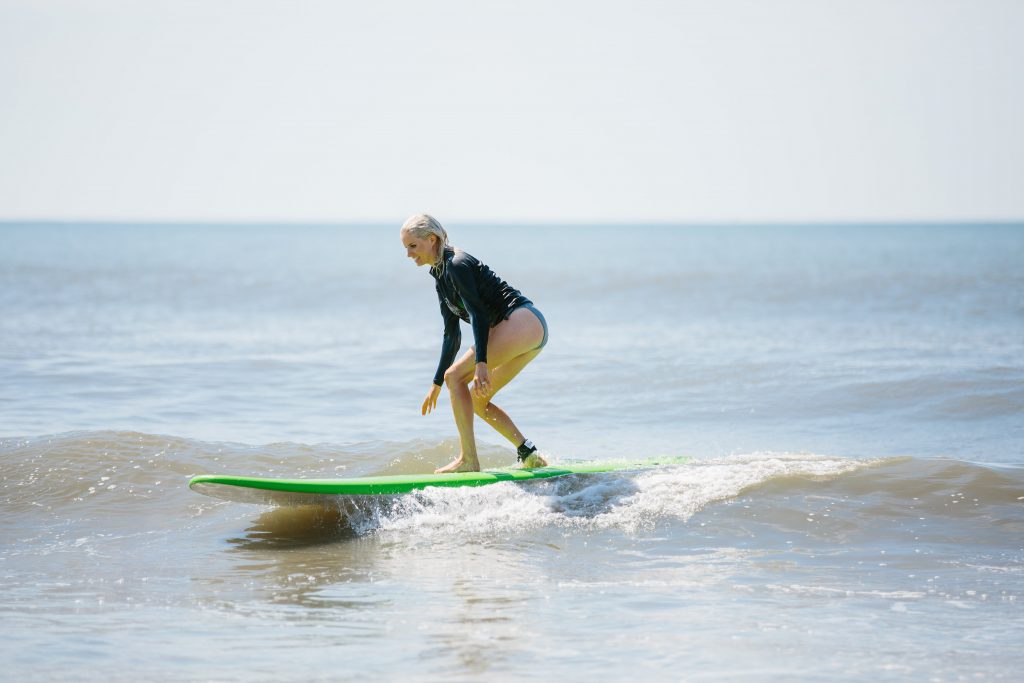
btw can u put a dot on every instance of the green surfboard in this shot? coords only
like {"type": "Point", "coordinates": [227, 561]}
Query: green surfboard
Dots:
{"type": "Point", "coordinates": [305, 491]}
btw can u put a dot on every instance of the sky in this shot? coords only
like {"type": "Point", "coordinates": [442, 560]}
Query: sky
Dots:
{"type": "Point", "coordinates": [550, 111]}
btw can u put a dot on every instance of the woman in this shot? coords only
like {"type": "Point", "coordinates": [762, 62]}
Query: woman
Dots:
{"type": "Point", "coordinates": [507, 330]}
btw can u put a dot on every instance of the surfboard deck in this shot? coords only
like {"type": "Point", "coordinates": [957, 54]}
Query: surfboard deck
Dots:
{"type": "Point", "coordinates": [305, 491]}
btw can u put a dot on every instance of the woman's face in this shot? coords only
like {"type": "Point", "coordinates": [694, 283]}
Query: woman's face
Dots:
{"type": "Point", "coordinates": [421, 250]}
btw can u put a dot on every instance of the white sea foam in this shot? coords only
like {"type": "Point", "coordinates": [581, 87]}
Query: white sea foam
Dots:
{"type": "Point", "coordinates": [627, 500]}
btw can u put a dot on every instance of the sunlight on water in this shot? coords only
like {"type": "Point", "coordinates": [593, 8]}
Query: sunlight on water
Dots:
{"type": "Point", "coordinates": [851, 397]}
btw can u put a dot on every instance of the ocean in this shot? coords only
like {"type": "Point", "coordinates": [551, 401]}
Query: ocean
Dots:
{"type": "Point", "coordinates": [851, 396]}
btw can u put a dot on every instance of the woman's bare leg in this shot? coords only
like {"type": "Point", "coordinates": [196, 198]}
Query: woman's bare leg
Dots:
{"type": "Point", "coordinates": [462, 407]}
{"type": "Point", "coordinates": [512, 343]}
{"type": "Point", "coordinates": [492, 414]}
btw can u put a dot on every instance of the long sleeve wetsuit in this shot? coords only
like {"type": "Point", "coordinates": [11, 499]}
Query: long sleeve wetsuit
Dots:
{"type": "Point", "coordinates": [470, 291]}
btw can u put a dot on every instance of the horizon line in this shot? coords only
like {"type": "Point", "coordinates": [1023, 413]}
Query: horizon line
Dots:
{"type": "Point", "coordinates": [512, 223]}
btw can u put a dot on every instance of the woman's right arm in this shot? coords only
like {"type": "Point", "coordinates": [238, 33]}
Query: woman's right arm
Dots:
{"type": "Point", "coordinates": [449, 347]}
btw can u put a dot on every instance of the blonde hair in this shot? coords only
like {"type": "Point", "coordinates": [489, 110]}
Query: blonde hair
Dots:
{"type": "Point", "coordinates": [422, 225]}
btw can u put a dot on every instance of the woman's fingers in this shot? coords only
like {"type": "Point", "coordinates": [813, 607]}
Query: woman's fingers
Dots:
{"type": "Point", "coordinates": [430, 402]}
{"type": "Point", "coordinates": [481, 382]}
{"type": "Point", "coordinates": [481, 389]}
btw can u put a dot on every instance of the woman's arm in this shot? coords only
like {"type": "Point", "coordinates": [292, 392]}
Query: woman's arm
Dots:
{"type": "Point", "coordinates": [462, 274]}
{"type": "Point", "coordinates": [449, 347]}
{"type": "Point", "coordinates": [452, 340]}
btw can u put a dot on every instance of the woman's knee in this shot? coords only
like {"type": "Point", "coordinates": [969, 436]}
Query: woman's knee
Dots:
{"type": "Point", "coordinates": [453, 376]}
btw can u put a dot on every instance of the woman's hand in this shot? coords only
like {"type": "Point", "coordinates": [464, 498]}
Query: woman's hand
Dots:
{"type": "Point", "coordinates": [430, 402]}
{"type": "Point", "coordinates": [481, 381]}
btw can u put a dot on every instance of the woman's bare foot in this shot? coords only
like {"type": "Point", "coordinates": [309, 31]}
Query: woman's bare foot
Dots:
{"type": "Point", "coordinates": [459, 465]}
{"type": "Point", "coordinates": [534, 460]}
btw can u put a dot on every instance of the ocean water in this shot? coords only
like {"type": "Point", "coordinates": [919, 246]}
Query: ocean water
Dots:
{"type": "Point", "coordinates": [851, 396]}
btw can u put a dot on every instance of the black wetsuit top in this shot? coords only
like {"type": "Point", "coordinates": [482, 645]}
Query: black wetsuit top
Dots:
{"type": "Point", "coordinates": [468, 290]}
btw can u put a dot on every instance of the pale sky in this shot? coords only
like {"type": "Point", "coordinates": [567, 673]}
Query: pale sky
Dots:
{"type": "Point", "coordinates": [689, 111]}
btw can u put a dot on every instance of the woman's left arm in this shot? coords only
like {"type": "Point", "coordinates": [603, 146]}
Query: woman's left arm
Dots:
{"type": "Point", "coordinates": [481, 381]}
{"type": "Point", "coordinates": [462, 274]}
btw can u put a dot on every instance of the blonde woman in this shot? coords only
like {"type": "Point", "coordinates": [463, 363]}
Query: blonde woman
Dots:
{"type": "Point", "coordinates": [508, 332]}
